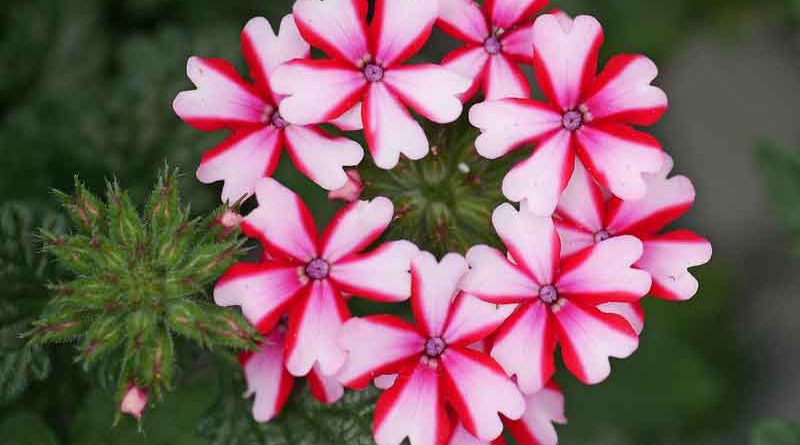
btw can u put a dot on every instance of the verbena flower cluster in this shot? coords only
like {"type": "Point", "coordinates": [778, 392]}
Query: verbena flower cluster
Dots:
{"type": "Point", "coordinates": [583, 239]}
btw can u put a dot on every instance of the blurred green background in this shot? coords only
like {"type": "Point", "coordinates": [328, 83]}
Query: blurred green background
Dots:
{"type": "Point", "coordinates": [86, 87]}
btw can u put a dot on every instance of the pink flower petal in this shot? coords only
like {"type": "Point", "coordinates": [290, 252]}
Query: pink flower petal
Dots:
{"type": "Point", "coordinates": [536, 426]}
{"type": "Point", "coordinates": [431, 90]}
{"type": "Point", "coordinates": [351, 190]}
{"type": "Point", "coordinates": [582, 204]}
{"type": "Point", "coordinates": [413, 407]}
{"type": "Point", "coordinates": [470, 62]}
{"type": "Point", "coordinates": [603, 273]}
{"type": "Point", "coordinates": [464, 20]}
{"type": "Point", "coordinates": [385, 381]}
{"type": "Point", "coordinates": [434, 285]}
{"type": "Point", "coordinates": [337, 27]}
{"type": "Point", "coordinates": [263, 290]}
{"type": "Point", "coordinates": [400, 28]}
{"type": "Point", "coordinates": [282, 223]}
{"type": "Point", "coordinates": [314, 324]}
{"type": "Point", "coordinates": [350, 120]}
{"type": "Point", "coordinates": [623, 92]}
{"type": "Point", "coordinates": [507, 13]}
{"type": "Point", "coordinates": [222, 99]}
{"type": "Point", "coordinates": [668, 258]}
{"type": "Point", "coordinates": [380, 275]}
{"type": "Point", "coordinates": [565, 61]}
{"type": "Point", "coordinates": [376, 345]}
{"type": "Point", "coordinates": [390, 130]}
{"type": "Point", "coordinates": [518, 44]}
{"type": "Point", "coordinates": [510, 123]}
{"type": "Point", "coordinates": [617, 156]}
{"type": "Point", "coordinates": [317, 90]}
{"type": "Point", "coordinates": [264, 51]}
{"type": "Point", "coordinates": [320, 157]}
{"type": "Point", "coordinates": [524, 347]}
{"type": "Point", "coordinates": [241, 160]}
{"type": "Point", "coordinates": [479, 391]}
{"type": "Point", "coordinates": [471, 319]}
{"type": "Point", "coordinates": [493, 278]}
{"type": "Point", "coordinates": [463, 437]}
{"type": "Point", "coordinates": [667, 199]}
{"type": "Point", "coordinates": [632, 312]}
{"type": "Point", "coordinates": [355, 227]}
{"type": "Point", "coordinates": [532, 241]}
{"type": "Point", "coordinates": [542, 177]}
{"type": "Point", "coordinates": [588, 337]}
{"type": "Point", "coordinates": [573, 238]}
{"type": "Point", "coordinates": [324, 388]}
{"type": "Point", "coordinates": [504, 79]}
{"type": "Point", "coordinates": [134, 402]}
{"type": "Point", "coordinates": [267, 378]}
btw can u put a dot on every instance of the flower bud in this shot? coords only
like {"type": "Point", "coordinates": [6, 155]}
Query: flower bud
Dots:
{"type": "Point", "coordinates": [134, 402]}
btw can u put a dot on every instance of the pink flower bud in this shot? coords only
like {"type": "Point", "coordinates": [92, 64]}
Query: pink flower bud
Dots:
{"type": "Point", "coordinates": [351, 191]}
{"type": "Point", "coordinates": [230, 219]}
{"type": "Point", "coordinates": [134, 402]}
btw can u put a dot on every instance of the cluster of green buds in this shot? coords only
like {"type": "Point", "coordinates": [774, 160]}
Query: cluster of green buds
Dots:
{"type": "Point", "coordinates": [138, 282]}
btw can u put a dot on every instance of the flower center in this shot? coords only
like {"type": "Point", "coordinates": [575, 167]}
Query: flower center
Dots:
{"type": "Point", "coordinates": [373, 72]}
{"type": "Point", "coordinates": [318, 269]}
{"type": "Point", "coordinates": [572, 120]}
{"type": "Point", "coordinates": [548, 294]}
{"type": "Point", "coordinates": [278, 121]}
{"type": "Point", "coordinates": [434, 347]}
{"type": "Point", "coordinates": [601, 236]}
{"type": "Point", "coordinates": [492, 45]}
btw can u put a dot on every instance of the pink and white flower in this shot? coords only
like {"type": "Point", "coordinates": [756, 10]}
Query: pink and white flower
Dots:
{"type": "Point", "coordinates": [586, 215]}
{"type": "Point", "coordinates": [436, 367]}
{"type": "Point", "coordinates": [366, 65]}
{"type": "Point", "coordinates": [498, 36]}
{"type": "Point", "coordinates": [352, 189]}
{"type": "Point", "coordinates": [270, 382]}
{"type": "Point", "coordinates": [307, 274]}
{"type": "Point", "coordinates": [558, 298]}
{"type": "Point", "coordinates": [587, 115]}
{"type": "Point", "coordinates": [223, 100]}
{"type": "Point", "coordinates": [134, 402]}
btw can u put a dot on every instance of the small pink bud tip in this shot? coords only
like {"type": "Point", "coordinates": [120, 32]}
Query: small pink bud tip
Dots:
{"type": "Point", "coordinates": [230, 219]}
{"type": "Point", "coordinates": [434, 347]}
{"type": "Point", "coordinates": [318, 269]}
{"type": "Point", "coordinates": [134, 402]}
{"type": "Point", "coordinates": [373, 72]}
{"type": "Point", "coordinates": [572, 120]}
{"type": "Point", "coordinates": [492, 45]}
{"type": "Point", "coordinates": [548, 294]}
{"type": "Point", "coordinates": [351, 190]}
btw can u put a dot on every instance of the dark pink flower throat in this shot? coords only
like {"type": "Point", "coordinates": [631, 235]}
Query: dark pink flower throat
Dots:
{"type": "Point", "coordinates": [434, 347]}
{"type": "Point", "coordinates": [548, 294]}
{"type": "Point", "coordinates": [318, 269]}
{"type": "Point", "coordinates": [373, 72]}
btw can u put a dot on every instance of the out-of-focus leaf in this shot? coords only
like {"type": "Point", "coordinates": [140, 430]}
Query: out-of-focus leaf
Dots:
{"type": "Point", "coordinates": [24, 428]}
{"type": "Point", "coordinates": [776, 432]}
{"type": "Point", "coordinates": [781, 169]}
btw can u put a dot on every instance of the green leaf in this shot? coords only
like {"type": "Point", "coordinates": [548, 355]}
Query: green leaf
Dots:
{"type": "Point", "coordinates": [776, 432]}
{"type": "Point", "coordinates": [781, 170]}
{"type": "Point", "coordinates": [26, 429]}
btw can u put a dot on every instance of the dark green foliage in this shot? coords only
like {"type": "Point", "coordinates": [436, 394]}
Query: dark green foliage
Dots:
{"type": "Point", "coordinates": [782, 176]}
{"type": "Point", "coordinates": [136, 278]}
{"type": "Point", "coordinates": [776, 432]}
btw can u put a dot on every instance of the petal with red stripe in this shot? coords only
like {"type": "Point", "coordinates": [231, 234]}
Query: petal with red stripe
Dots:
{"type": "Point", "coordinates": [263, 290]}
{"type": "Point", "coordinates": [337, 27]}
{"type": "Point", "coordinates": [518, 44]}
{"type": "Point", "coordinates": [507, 13]}
{"type": "Point", "coordinates": [623, 92]}
{"type": "Point", "coordinates": [470, 62]}
{"type": "Point", "coordinates": [318, 90]}
{"type": "Point", "coordinates": [390, 130]}
{"type": "Point", "coordinates": [314, 323]}
{"type": "Point", "coordinates": [668, 258]}
{"type": "Point", "coordinates": [264, 51]}
{"type": "Point", "coordinates": [565, 60]}
{"type": "Point", "coordinates": [531, 240]}
{"type": "Point", "coordinates": [504, 79]}
{"type": "Point", "coordinates": [618, 156]}
{"type": "Point", "coordinates": [524, 347]}
{"type": "Point", "coordinates": [241, 160]}
{"type": "Point", "coordinates": [542, 177]}
{"type": "Point", "coordinates": [267, 378]}
{"type": "Point", "coordinates": [588, 337]}
{"type": "Point", "coordinates": [464, 20]}
{"type": "Point", "coordinates": [603, 273]}
{"type": "Point", "coordinates": [324, 388]}
{"type": "Point", "coordinates": [582, 204]}
{"type": "Point", "coordinates": [222, 99]}
{"type": "Point", "coordinates": [320, 157]}
{"type": "Point", "coordinates": [376, 345]}
{"type": "Point", "coordinates": [434, 285]}
{"type": "Point", "coordinates": [413, 407]}
{"type": "Point", "coordinates": [380, 275]}
{"type": "Point", "coordinates": [573, 238]}
{"type": "Point", "coordinates": [493, 278]}
{"type": "Point", "coordinates": [472, 319]}
{"type": "Point", "coordinates": [536, 426]}
{"type": "Point", "coordinates": [400, 28]}
{"type": "Point", "coordinates": [510, 123]}
{"type": "Point", "coordinates": [282, 222]}
{"type": "Point", "coordinates": [632, 312]}
{"type": "Point", "coordinates": [431, 90]}
{"type": "Point", "coordinates": [355, 227]}
{"type": "Point", "coordinates": [479, 391]}
{"type": "Point", "coordinates": [350, 120]}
